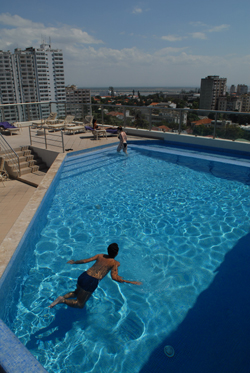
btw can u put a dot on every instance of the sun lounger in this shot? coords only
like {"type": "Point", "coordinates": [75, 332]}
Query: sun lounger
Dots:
{"type": "Point", "coordinates": [113, 131]}
{"type": "Point", "coordinates": [7, 127]}
{"type": "Point", "coordinates": [75, 128]}
{"type": "Point", "coordinates": [96, 133]}
{"type": "Point", "coordinates": [44, 122]}
{"type": "Point", "coordinates": [88, 120]}
{"type": "Point", "coordinates": [68, 121]}
{"type": "Point", "coordinates": [85, 125]}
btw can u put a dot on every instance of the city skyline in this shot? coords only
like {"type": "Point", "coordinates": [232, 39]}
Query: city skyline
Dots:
{"type": "Point", "coordinates": [142, 43]}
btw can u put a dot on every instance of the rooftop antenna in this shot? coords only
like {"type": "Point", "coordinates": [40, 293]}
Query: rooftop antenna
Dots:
{"type": "Point", "coordinates": [50, 42]}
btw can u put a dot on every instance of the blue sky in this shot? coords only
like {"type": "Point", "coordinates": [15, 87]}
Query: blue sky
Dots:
{"type": "Point", "coordinates": [130, 43]}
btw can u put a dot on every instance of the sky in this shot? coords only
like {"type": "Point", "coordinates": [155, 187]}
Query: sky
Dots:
{"type": "Point", "coordinates": [129, 43]}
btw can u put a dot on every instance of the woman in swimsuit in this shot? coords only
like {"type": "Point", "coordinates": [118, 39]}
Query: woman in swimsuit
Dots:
{"type": "Point", "coordinates": [123, 141]}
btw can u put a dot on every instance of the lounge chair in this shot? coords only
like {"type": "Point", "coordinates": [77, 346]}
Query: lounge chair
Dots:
{"type": "Point", "coordinates": [80, 126]}
{"type": "Point", "coordinates": [75, 128]}
{"type": "Point", "coordinates": [96, 133]}
{"type": "Point", "coordinates": [112, 130]}
{"type": "Point", "coordinates": [50, 120]}
{"type": "Point", "coordinates": [44, 122]}
{"type": "Point", "coordinates": [88, 120]}
{"type": "Point", "coordinates": [7, 127]}
{"type": "Point", "coordinates": [68, 121]}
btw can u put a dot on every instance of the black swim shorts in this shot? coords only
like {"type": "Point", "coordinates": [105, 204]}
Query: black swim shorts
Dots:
{"type": "Point", "coordinates": [87, 283]}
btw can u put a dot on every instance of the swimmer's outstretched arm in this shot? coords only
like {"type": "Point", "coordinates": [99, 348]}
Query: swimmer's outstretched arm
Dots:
{"type": "Point", "coordinates": [82, 261]}
{"type": "Point", "coordinates": [117, 278]}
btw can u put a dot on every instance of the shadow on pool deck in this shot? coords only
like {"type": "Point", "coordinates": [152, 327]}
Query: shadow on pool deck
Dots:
{"type": "Point", "coordinates": [214, 337]}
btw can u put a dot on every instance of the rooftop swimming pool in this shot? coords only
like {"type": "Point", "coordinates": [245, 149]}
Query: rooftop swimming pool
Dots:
{"type": "Point", "coordinates": [181, 220]}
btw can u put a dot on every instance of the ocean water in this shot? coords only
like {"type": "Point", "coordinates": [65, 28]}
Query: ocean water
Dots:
{"type": "Point", "coordinates": [144, 91]}
{"type": "Point", "coordinates": [174, 222]}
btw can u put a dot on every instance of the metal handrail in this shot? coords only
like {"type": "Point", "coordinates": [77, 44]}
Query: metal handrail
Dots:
{"type": "Point", "coordinates": [180, 112]}
{"type": "Point", "coordinates": [47, 138]}
{"type": "Point", "coordinates": [147, 110]}
{"type": "Point", "coordinates": [9, 153]}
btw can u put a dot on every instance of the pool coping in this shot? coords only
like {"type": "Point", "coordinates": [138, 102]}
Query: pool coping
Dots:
{"type": "Point", "coordinates": [14, 356]}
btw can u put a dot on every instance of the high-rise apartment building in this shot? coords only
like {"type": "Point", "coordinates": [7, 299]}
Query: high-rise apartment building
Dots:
{"type": "Point", "coordinates": [75, 98]}
{"type": "Point", "coordinates": [232, 89]}
{"type": "Point", "coordinates": [242, 89]}
{"type": "Point", "coordinates": [212, 87]}
{"type": "Point", "coordinates": [8, 94]}
{"type": "Point", "coordinates": [32, 75]}
{"type": "Point", "coordinates": [246, 102]}
{"type": "Point", "coordinates": [230, 103]}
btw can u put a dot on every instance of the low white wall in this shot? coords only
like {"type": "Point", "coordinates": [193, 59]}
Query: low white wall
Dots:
{"type": "Point", "coordinates": [191, 140]}
{"type": "Point", "coordinates": [48, 156]}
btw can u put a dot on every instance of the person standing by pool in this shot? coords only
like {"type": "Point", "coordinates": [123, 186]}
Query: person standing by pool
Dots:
{"type": "Point", "coordinates": [123, 141]}
{"type": "Point", "coordinates": [88, 281]}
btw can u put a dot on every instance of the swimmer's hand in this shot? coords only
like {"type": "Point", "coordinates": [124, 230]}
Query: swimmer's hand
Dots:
{"type": "Point", "coordinates": [71, 262]}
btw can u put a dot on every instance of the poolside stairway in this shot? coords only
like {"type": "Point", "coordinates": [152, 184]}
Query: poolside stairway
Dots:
{"type": "Point", "coordinates": [29, 162]}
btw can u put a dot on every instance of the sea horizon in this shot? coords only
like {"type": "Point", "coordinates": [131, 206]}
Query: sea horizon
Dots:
{"type": "Point", "coordinates": [147, 90]}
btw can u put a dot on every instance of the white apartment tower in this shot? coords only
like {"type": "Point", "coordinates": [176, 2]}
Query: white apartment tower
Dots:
{"type": "Point", "coordinates": [32, 75]}
{"type": "Point", "coordinates": [8, 94]}
{"type": "Point", "coordinates": [212, 87]}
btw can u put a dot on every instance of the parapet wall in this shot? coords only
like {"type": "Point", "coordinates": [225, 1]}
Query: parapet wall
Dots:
{"type": "Point", "coordinates": [189, 140]}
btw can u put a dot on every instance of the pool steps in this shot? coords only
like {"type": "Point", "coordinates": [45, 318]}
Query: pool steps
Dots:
{"type": "Point", "coordinates": [79, 163]}
{"type": "Point", "coordinates": [28, 160]}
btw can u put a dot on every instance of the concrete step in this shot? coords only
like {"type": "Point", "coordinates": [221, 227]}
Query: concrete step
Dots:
{"type": "Point", "coordinates": [29, 163]}
{"type": "Point", "coordinates": [34, 168]}
{"type": "Point", "coordinates": [24, 171]}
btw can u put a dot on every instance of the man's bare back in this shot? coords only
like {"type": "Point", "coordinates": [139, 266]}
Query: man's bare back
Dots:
{"type": "Point", "coordinates": [88, 281]}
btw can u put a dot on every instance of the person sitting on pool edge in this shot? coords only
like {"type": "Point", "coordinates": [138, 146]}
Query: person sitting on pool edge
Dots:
{"type": "Point", "coordinates": [88, 281]}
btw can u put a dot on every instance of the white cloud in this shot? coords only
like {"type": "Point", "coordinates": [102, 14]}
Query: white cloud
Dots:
{"type": "Point", "coordinates": [17, 21]}
{"type": "Point", "coordinates": [137, 10]}
{"type": "Point", "coordinates": [92, 66]}
{"type": "Point", "coordinates": [24, 33]}
{"type": "Point", "coordinates": [172, 38]}
{"type": "Point", "coordinates": [197, 24]}
{"type": "Point", "coordinates": [198, 35]}
{"type": "Point", "coordinates": [169, 50]}
{"type": "Point", "coordinates": [88, 63]}
{"type": "Point", "coordinates": [219, 28]}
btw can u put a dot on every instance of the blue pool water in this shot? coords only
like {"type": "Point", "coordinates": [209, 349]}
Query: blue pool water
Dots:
{"type": "Point", "coordinates": [174, 214]}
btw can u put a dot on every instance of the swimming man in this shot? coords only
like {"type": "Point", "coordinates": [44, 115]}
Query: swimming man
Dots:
{"type": "Point", "coordinates": [88, 281]}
